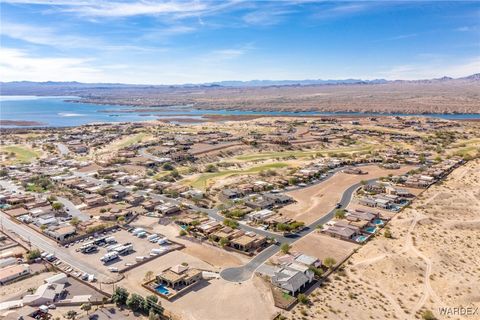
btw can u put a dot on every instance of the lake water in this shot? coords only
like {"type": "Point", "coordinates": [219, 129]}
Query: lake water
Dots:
{"type": "Point", "coordinates": [58, 112]}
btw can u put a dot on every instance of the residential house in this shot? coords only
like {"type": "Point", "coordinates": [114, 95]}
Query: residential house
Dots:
{"type": "Point", "coordinates": [13, 272]}
{"type": "Point", "coordinates": [292, 277]}
{"type": "Point", "coordinates": [179, 276]}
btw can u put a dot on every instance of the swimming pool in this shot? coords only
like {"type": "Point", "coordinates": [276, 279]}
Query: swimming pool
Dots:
{"type": "Point", "coordinates": [162, 289]}
{"type": "Point", "coordinates": [378, 222]}
{"type": "Point", "coordinates": [370, 229]}
{"type": "Point", "coordinates": [361, 239]}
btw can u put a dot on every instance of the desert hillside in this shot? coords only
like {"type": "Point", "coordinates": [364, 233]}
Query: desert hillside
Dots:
{"type": "Point", "coordinates": [432, 261]}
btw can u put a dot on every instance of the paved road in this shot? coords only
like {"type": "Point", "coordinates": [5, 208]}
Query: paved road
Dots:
{"type": "Point", "coordinates": [245, 272]}
{"type": "Point", "coordinates": [144, 153]}
{"type": "Point", "coordinates": [41, 242]}
{"type": "Point", "coordinates": [238, 274]}
{"type": "Point", "coordinates": [72, 209]}
{"type": "Point", "coordinates": [45, 244]}
{"type": "Point", "coordinates": [214, 213]}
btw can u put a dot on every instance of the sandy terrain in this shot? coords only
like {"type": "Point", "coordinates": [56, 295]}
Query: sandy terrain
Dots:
{"type": "Point", "coordinates": [14, 290]}
{"type": "Point", "coordinates": [250, 300]}
{"type": "Point", "coordinates": [435, 96]}
{"type": "Point", "coordinates": [323, 246]}
{"type": "Point", "coordinates": [432, 261]}
{"type": "Point", "coordinates": [317, 200]}
{"type": "Point", "coordinates": [203, 148]}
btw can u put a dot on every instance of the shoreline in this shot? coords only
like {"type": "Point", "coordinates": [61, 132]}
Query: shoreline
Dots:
{"type": "Point", "coordinates": [21, 123]}
{"type": "Point", "coordinates": [178, 119]}
{"type": "Point", "coordinates": [292, 111]}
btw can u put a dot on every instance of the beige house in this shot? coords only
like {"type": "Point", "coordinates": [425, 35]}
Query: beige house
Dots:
{"type": "Point", "coordinates": [179, 276]}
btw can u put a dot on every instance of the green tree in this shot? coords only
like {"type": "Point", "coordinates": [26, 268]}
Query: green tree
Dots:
{"type": "Point", "coordinates": [182, 233]}
{"type": "Point", "coordinates": [33, 254]}
{"type": "Point", "coordinates": [57, 206]}
{"type": "Point", "coordinates": [72, 314]}
{"type": "Point", "coordinates": [86, 307]}
{"type": "Point", "coordinates": [135, 302]}
{"type": "Point", "coordinates": [120, 296]}
{"type": "Point", "coordinates": [283, 227]}
{"type": "Point", "coordinates": [230, 223]}
{"type": "Point", "coordinates": [428, 315]}
{"type": "Point", "coordinates": [285, 248]}
{"type": "Point", "coordinates": [340, 213]}
{"type": "Point", "coordinates": [329, 262]}
{"type": "Point", "coordinates": [75, 221]}
{"type": "Point", "coordinates": [150, 303]}
{"type": "Point", "coordinates": [224, 242]}
{"type": "Point", "coordinates": [317, 271]}
{"type": "Point", "coordinates": [167, 166]}
{"type": "Point", "coordinates": [302, 298]}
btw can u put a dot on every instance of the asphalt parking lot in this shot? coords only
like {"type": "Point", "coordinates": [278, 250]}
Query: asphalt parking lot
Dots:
{"type": "Point", "coordinates": [142, 247]}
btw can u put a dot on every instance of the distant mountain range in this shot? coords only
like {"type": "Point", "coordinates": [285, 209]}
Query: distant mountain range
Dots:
{"type": "Point", "coordinates": [54, 87]}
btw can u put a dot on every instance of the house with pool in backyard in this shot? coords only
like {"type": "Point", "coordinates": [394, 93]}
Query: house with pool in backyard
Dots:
{"type": "Point", "coordinates": [174, 280]}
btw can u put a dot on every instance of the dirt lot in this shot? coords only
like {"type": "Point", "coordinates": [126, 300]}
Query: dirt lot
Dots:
{"type": "Point", "coordinates": [141, 247]}
{"type": "Point", "coordinates": [317, 200]}
{"type": "Point", "coordinates": [431, 262]}
{"type": "Point", "coordinates": [214, 256]}
{"type": "Point", "coordinates": [12, 251]}
{"type": "Point", "coordinates": [323, 246]}
{"type": "Point", "coordinates": [203, 148]}
{"type": "Point", "coordinates": [18, 289]}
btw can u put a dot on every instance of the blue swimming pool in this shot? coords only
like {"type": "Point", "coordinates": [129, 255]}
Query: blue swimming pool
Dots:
{"type": "Point", "coordinates": [361, 239]}
{"type": "Point", "coordinates": [370, 229]}
{"type": "Point", "coordinates": [378, 222]}
{"type": "Point", "coordinates": [162, 289]}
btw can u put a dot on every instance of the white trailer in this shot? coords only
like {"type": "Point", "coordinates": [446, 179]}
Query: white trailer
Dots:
{"type": "Point", "coordinates": [110, 240]}
{"type": "Point", "coordinates": [152, 236]}
{"type": "Point", "coordinates": [109, 257]}
{"type": "Point", "coordinates": [114, 247]}
{"type": "Point", "coordinates": [137, 231]}
{"type": "Point", "coordinates": [124, 249]}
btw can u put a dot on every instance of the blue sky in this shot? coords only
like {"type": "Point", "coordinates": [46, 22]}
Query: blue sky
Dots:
{"type": "Point", "coordinates": [173, 42]}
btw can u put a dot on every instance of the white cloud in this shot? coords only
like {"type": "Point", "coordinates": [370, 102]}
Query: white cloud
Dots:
{"type": "Point", "coordinates": [18, 65]}
{"type": "Point", "coordinates": [265, 17]}
{"type": "Point", "coordinates": [44, 36]}
{"type": "Point", "coordinates": [342, 9]}
{"type": "Point", "coordinates": [115, 9]}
